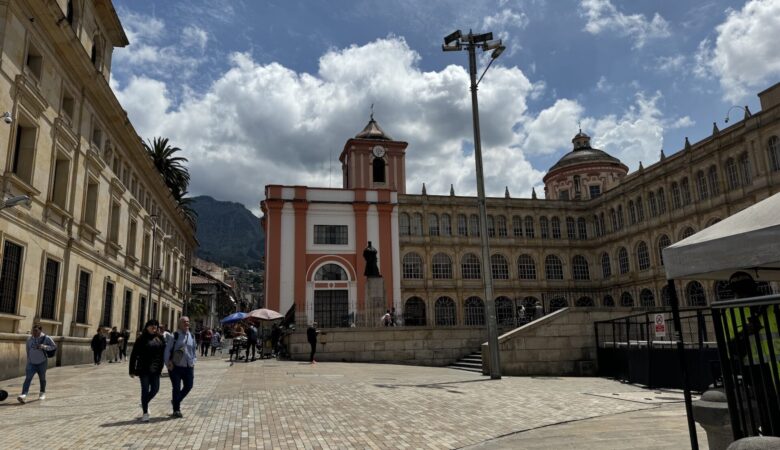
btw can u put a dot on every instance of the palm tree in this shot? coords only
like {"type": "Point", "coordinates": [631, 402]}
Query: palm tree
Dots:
{"type": "Point", "coordinates": [172, 168]}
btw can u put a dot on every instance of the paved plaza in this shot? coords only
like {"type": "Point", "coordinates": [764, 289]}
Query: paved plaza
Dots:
{"type": "Point", "coordinates": [293, 405]}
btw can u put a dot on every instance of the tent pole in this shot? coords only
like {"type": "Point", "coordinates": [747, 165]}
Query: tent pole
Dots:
{"type": "Point", "coordinates": [683, 367]}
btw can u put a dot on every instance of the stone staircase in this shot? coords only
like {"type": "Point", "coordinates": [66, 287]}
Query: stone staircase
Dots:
{"type": "Point", "coordinates": [470, 363]}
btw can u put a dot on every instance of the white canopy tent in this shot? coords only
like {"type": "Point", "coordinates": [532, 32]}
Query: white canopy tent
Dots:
{"type": "Point", "coordinates": [747, 241]}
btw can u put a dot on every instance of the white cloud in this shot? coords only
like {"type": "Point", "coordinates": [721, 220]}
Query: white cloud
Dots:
{"type": "Point", "coordinates": [603, 85]}
{"type": "Point", "coordinates": [603, 16]}
{"type": "Point", "coordinates": [504, 19]}
{"type": "Point", "coordinates": [744, 56]}
{"type": "Point", "coordinates": [672, 63]}
{"type": "Point", "coordinates": [193, 36]}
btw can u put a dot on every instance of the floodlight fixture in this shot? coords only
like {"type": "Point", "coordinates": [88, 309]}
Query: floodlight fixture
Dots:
{"type": "Point", "coordinates": [454, 36]}
{"type": "Point", "coordinates": [451, 48]}
{"type": "Point", "coordinates": [480, 38]}
{"type": "Point", "coordinates": [492, 45]}
{"type": "Point", "coordinates": [497, 52]}
{"type": "Point", "coordinates": [7, 117]}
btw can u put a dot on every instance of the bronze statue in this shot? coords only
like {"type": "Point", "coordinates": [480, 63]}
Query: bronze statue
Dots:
{"type": "Point", "coordinates": [369, 254]}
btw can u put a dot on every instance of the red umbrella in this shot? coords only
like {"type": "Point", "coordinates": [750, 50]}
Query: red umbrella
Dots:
{"type": "Point", "coordinates": [264, 314]}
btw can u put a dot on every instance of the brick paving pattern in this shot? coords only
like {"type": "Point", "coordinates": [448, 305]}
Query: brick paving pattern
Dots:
{"type": "Point", "coordinates": [293, 405]}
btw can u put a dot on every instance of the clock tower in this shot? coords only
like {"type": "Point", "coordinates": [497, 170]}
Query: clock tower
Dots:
{"type": "Point", "coordinates": [373, 160]}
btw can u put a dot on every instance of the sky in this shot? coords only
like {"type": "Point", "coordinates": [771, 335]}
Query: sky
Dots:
{"type": "Point", "coordinates": [268, 92]}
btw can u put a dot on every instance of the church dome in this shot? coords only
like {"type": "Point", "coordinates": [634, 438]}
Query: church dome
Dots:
{"type": "Point", "coordinates": [373, 131]}
{"type": "Point", "coordinates": [583, 153]}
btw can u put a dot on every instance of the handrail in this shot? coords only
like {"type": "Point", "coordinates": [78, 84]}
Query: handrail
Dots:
{"type": "Point", "coordinates": [654, 311]}
{"type": "Point", "coordinates": [751, 301]}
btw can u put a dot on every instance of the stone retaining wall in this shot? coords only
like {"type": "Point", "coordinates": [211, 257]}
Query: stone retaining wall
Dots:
{"type": "Point", "coordinates": [401, 345]}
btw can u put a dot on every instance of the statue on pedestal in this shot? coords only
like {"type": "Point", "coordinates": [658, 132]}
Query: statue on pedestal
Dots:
{"type": "Point", "coordinates": [369, 254]}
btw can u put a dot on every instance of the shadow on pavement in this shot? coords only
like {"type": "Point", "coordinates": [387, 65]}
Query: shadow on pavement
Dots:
{"type": "Point", "coordinates": [442, 385]}
{"type": "Point", "coordinates": [135, 422]}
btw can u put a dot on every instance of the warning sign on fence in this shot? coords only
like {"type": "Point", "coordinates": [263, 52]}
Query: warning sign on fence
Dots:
{"type": "Point", "coordinates": [660, 325]}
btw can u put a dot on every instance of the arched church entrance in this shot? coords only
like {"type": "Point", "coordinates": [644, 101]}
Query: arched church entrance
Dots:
{"type": "Point", "coordinates": [330, 304]}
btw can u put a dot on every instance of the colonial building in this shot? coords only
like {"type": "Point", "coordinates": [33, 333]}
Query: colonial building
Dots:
{"type": "Point", "coordinates": [594, 240]}
{"type": "Point", "coordinates": [101, 217]}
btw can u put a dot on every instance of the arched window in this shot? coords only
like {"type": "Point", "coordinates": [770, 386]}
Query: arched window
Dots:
{"type": "Point", "coordinates": [623, 260]}
{"type": "Point", "coordinates": [98, 50]}
{"type": "Point", "coordinates": [474, 312]}
{"type": "Point", "coordinates": [378, 170]}
{"type": "Point", "coordinates": [517, 226]}
{"type": "Point", "coordinates": [433, 225]}
{"type": "Point", "coordinates": [661, 201]}
{"type": "Point", "coordinates": [499, 266]}
{"type": "Point", "coordinates": [646, 298]}
{"type": "Point", "coordinates": [505, 311]}
{"type": "Point", "coordinates": [606, 267]}
{"type": "Point", "coordinates": [582, 229]}
{"type": "Point", "coordinates": [491, 226]}
{"type": "Point", "coordinates": [545, 228]}
{"type": "Point", "coordinates": [712, 179]}
{"type": "Point", "coordinates": [529, 226]}
{"type": "Point", "coordinates": [444, 312]}
{"type": "Point", "coordinates": [555, 224]}
{"type": "Point", "coordinates": [687, 232]}
{"type": "Point", "coordinates": [557, 303]}
{"type": "Point", "coordinates": [331, 272]}
{"type": "Point", "coordinates": [501, 224]}
{"type": "Point", "coordinates": [652, 204]}
{"type": "Point", "coordinates": [446, 225]}
{"type": "Point", "coordinates": [584, 301]}
{"type": "Point", "coordinates": [701, 184]}
{"type": "Point", "coordinates": [414, 312]}
{"type": "Point", "coordinates": [694, 294]}
{"type": "Point", "coordinates": [712, 222]}
{"type": "Point", "coordinates": [597, 226]}
{"type": "Point", "coordinates": [463, 229]}
{"type": "Point", "coordinates": [579, 267]}
{"type": "Point", "coordinates": [744, 169]}
{"type": "Point", "coordinates": [441, 267]}
{"type": "Point", "coordinates": [676, 202]}
{"type": "Point", "coordinates": [640, 210]}
{"type": "Point", "coordinates": [526, 267]}
{"type": "Point", "coordinates": [403, 224]}
{"type": "Point", "coordinates": [642, 256]}
{"type": "Point", "coordinates": [631, 212]}
{"type": "Point", "coordinates": [416, 226]}
{"type": "Point", "coordinates": [663, 242]}
{"type": "Point", "coordinates": [723, 291]}
{"type": "Point", "coordinates": [412, 266]}
{"type": "Point", "coordinates": [470, 267]}
{"type": "Point", "coordinates": [685, 188]}
{"type": "Point", "coordinates": [608, 301]}
{"type": "Point", "coordinates": [626, 299]}
{"type": "Point", "coordinates": [732, 176]}
{"type": "Point", "coordinates": [773, 148]}
{"type": "Point", "coordinates": [473, 225]}
{"type": "Point", "coordinates": [553, 268]}
{"type": "Point", "coordinates": [613, 218]}
{"type": "Point", "coordinates": [666, 299]}
{"type": "Point", "coordinates": [571, 229]}
{"type": "Point", "coordinates": [620, 217]}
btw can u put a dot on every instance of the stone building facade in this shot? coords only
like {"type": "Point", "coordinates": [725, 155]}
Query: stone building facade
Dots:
{"type": "Point", "coordinates": [80, 255]}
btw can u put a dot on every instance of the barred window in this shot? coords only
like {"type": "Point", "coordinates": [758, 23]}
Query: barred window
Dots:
{"type": "Point", "coordinates": [602, 224]}
{"type": "Point", "coordinates": [414, 312]}
{"type": "Point", "coordinates": [732, 177]}
{"type": "Point", "coordinates": [446, 225]}
{"type": "Point", "coordinates": [571, 229]}
{"type": "Point", "coordinates": [744, 168]}
{"type": "Point", "coordinates": [517, 226]}
{"type": "Point", "coordinates": [663, 242]}
{"type": "Point", "coordinates": [558, 303]}
{"type": "Point", "coordinates": [773, 147]}
{"type": "Point", "coordinates": [661, 201]}
{"type": "Point", "coordinates": [643, 256]}
{"type": "Point", "coordinates": [712, 178]}
{"type": "Point", "coordinates": [474, 312]}
{"type": "Point", "coordinates": [582, 229]}
{"type": "Point", "coordinates": [555, 224]}
{"type": "Point", "coordinates": [687, 232]}
{"type": "Point", "coordinates": [640, 209]}
{"type": "Point", "coordinates": [412, 266]}
{"type": "Point", "coordinates": [83, 297]}
{"type": "Point", "coordinates": [666, 299]}
{"type": "Point", "coordinates": [505, 311]}
{"type": "Point", "coordinates": [608, 301]}
{"type": "Point", "coordinates": [545, 228]}
{"type": "Point", "coordinates": [501, 224]}
{"type": "Point", "coordinates": [10, 275]}
{"type": "Point", "coordinates": [526, 267]}
{"type": "Point", "coordinates": [331, 272]}
{"type": "Point", "coordinates": [491, 226]}
{"type": "Point", "coordinates": [606, 267]}
{"type": "Point", "coordinates": [553, 268]}
{"type": "Point", "coordinates": [676, 202]}
{"type": "Point", "coordinates": [331, 234]}
{"type": "Point", "coordinates": [701, 184]}
{"type": "Point", "coordinates": [417, 224]}
{"type": "Point", "coordinates": [579, 267]}
{"type": "Point", "coordinates": [694, 294]}
{"type": "Point", "coordinates": [631, 212]}
{"type": "Point", "coordinates": [686, 191]}
{"type": "Point", "coordinates": [620, 217]}
{"type": "Point", "coordinates": [49, 297]}
{"type": "Point", "coordinates": [403, 224]}
{"type": "Point", "coordinates": [444, 311]}
{"type": "Point", "coordinates": [473, 225]}
{"type": "Point", "coordinates": [470, 267]}
{"type": "Point", "coordinates": [584, 301]}
{"type": "Point", "coordinates": [597, 226]}
{"type": "Point", "coordinates": [441, 267]}
{"type": "Point", "coordinates": [646, 298]}
{"type": "Point", "coordinates": [723, 291]}
{"type": "Point", "coordinates": [499, 266]}
{"type": "Point", "coordinates": [626, 299]}
{"type": "Point", "coordinates": [529, 226]}
{"type": "Point", "coordinates": [433, 225]}
{"type": "Point", "coordinates": [651, 203]}
{"type": "Point", "coordinates": [623, 260]}
{"type": "Point", "coordinates": [613, 218]}
{"type": "Point", "coordinates": [108, 305]}
{"type": "Point", "coordinates": [463, 229]}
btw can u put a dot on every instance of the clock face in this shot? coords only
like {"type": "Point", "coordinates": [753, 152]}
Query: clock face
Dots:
{"type": "Point", "coordinates": [379, 151]}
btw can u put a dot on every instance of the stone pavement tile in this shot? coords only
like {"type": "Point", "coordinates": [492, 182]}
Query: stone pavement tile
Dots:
{"type": "Point", "coordinates": [291, 405]}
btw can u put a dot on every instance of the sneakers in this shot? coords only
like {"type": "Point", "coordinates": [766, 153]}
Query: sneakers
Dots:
{"type": "Point", "coordinates": [145, 417]}
{"type": "Point", "coordinates": [22, 398]}
{"type": "Point", "coordinates": [177, 415]}
{"type": "Point", "coordinates": [42, 396]}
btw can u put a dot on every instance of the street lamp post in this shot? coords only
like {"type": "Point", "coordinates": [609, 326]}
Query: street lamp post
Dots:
{"type": "Point", "coordinates": [456, 42]}
{"type": "Point", "coordinates": [148, 312]}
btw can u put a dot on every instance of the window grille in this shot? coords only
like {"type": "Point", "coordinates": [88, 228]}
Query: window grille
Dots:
{"type": "Point", "coordinates": [640, 209]}
{"type": "Point", "coordinates": [331, 308]}
{"type": "Point", "coordinates": [474, 225]}
{"type": "Point", "coordinates": [529, 226]}
{"type": "Point", "coordinates": [446, 225]}
{"type": "Point", "coordinates": [652, 204]}
{"type": "Point", "coordinates": [597, 226]}
{"type": "Point", "coordinates": [416, 226]}
{"type": "Point", "coordinates": [470, 267]}
{"type": "Point", "coordinates": [331, 272]}
{"type": "Point", "coordinates": [555, 224]}
{"type": "Point", "coordinates": [584, 302]}
{"type": "Point", "coordinates": [687, 232]}
{"type": "Point", "coordinates": [773, 147]}
{"type": "Point", "coordinates": [126, 310]}
{"type": "Point", "coordinates": [500, 268]}
{"type": "Point", "coordinates": [666, 300]}
{"type": "Point", "coordinates": [462, 227]}
{"type": "Point", "coordinates": [595, 190]}
{"type": "Point", "coordinates": [723, 291]}
{"type": "Point", "coordinates": [580, 268]}
{"type": "Point", "coordinates": [613, 217]}
{"type": "Point", "coordinates": [517, 226]}
{"type": "Point", "coordinates": [686, 191]}
{"type": "Point", "coordinates": [433, 225]}
{"type": "Point", "coordinates": [526, 267]}
{"type": "Point", "coordinates": [108, 305]}
{"type": "Point", "coordinates": [83, 297]}
{"type": "Point", "coordinates": [631, 212]}
{"type": "Point", "coordinates": [623, 260]}
{"type": "Point", "coordinates": [701, 183]}
{"type": "Point", "coordinates": [620, 216]}
{"type": "Point", "coordinates": [10, 277]}
{"type": "Point", "coordinates": [663, 242]}
{"type": "Point", "coordinates": [606, 267]}
{"type": "Point", "coordinates": [491, 226]}
{"type": "Point", "coordinates": [505, 311]}
{"type": "Point", "coordinates": [331, 234]}
{"type": "Point", "coordinates": [444, 310]}
{"type": "Point", "coordinates": [626, 299]}
{"type": "Point", "coordinates": [712, 178]}
{"type": "Point", "coordinates": [558, 303]}
{"type": "Point", "coordinates": [414, 312]}
{"type": "Point", "coordinates": [694, 293]}
{"type": "Point", "coordinates": [571, 229]}
{"type": "Point", "coordinates": [732, 177]}
{"type": "Point", "coordinates": [661, 201]}
{"type": "Point", "coordinates": [643, 256]}
{"type": "Point", "coordinates": [744, 166]}
{"type": "Point", "coordinates": [441, 267]}
{"type": "Point", "coordinates": [676, 202]}
{"type": "Point", "coordinates": [412, 266]}
{"type": "Point", "coordinates": [49, 300]}
{"type": "Point", "coordinates": [501, 224]}
{"type": "Point", "coordinates": [582, 229]}
{"type": "Point", "coordinates": [545, 229]}
{"type": "Point", "coordinates": [553, 268]}
{"type": "Point", "coordinates": [608, 301]}
{"type": "Point", "coordinates": [474, 312]}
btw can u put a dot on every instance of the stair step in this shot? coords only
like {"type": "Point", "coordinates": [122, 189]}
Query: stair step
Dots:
{"type": "Point", "coordinates": [467, 364]}
{"type": "Point", "coordinates": [474, 360]}
{"type": "Point", "coordinates": [466, 369]}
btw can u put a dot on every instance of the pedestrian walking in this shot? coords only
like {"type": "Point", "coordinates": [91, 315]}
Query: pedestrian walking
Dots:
{"type": "Point", "coordinates": [123, 340]}
{"type": "Point", "coordinates": [251, 341]}
{"type": "Point", "coordinates": [393, 320]}
{"type": "Point", "coordinates": [113, 345]}
{"type": "Point", "coordinates": [276, 333]}
{"type": "Point", "coordinates": [386, 319]}
{"type": "Point", "coordinates": [216, 342]}
{"type": "Point", "coordinates": [205, 341]}
{"type": "Point", "coordinates": [311, 336]}
{"type": "Point", "coordinates": [39, 348]}
{"type": "Point", "coordinates": [146, 362]}
{"type": "Point", "coordinates": [97, 345]}
{"type": "Point", "coordinates": [180, 356]}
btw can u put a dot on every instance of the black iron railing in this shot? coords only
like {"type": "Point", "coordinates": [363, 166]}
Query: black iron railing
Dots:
{"type": "Point", "coordinates": [749, 345]}
{"type": "Point", "coordinates": [638, 350]}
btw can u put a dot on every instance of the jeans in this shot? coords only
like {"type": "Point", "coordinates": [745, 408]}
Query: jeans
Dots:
{"type": "Point", "coordinates": [178, 376]}
{"type": "Point", "coordinates": [150, 384]}
{"type": "Point", "coordinates": [123, 352]}
{"type": "Point", "coordinates": [97, 355]}
{"type": "Point", "coordinates": [204, 348]}
{"type": "Point", "coordinates": [32, 369]}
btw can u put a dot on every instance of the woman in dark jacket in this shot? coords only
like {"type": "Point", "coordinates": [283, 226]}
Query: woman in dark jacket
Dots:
{"type": "Point", "coordinates": [98, 344]}
{"type": "Point", "coordinates": [146, 361]}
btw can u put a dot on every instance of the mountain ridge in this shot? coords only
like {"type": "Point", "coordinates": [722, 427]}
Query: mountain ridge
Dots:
{"type": "Point", "coordinates": [228, 233]}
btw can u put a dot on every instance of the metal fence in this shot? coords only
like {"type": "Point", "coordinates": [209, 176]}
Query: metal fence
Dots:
{"type": "Point", "coordinates": [749, 345]}
{"type": "Point", "coordinates": [636, 349]}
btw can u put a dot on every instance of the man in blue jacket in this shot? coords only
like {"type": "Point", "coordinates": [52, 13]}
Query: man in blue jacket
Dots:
{"type": "Point", "coordinates": [180, 356]}
{"type": "Point", "coordinates": [37, 361]}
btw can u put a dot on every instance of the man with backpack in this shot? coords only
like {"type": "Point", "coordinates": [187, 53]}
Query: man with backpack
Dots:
{"type": "Point", "coordinates": [39, 349]}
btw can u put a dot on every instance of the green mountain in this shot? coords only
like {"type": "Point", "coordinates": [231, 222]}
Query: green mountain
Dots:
{"type": "Point", "coordinates": [228, 233]}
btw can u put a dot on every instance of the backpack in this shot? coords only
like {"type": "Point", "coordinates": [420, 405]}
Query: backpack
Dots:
{"type": "Point", "coordinates": [50, 353]}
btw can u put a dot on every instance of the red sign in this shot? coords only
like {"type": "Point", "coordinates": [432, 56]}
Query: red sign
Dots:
{"type": "Point", "coordinates": [660, 325]}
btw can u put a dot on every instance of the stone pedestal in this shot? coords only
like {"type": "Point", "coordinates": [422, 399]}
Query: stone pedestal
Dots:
{"type": "Point", "coordinates": [376, 302]}
{"type": "Point", "coordinates": [712, 413]}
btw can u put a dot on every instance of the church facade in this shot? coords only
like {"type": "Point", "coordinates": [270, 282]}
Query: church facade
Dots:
{"type": "Point", "coordinates": [594, 240]}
